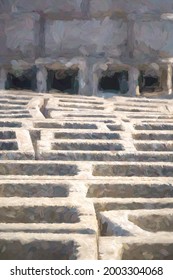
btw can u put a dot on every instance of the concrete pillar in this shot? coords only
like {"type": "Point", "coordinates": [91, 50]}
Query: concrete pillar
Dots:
{"type": "Point", "coordinates": [95, 82]}
{"type": "Point", "coordinates": [133, 82]}
{"type": "Point", "coordinates": [163, 79]}
{"type": "Point", "coordinates": [41, 79]}
{"type": "Point", "coordinates": [169, 79]}
{"type": "Point", "coordinates": [96, 71]}
{"type": "Point", "coordinates": [83, 78]}
{"type": "Point", "coordinates": [130, 36]}
{"type": "Point", "coordinates": [85, 8]}
{"type": "Point", "coordinates": [88, 78]}
{"type": "Point", "coordinates": [39, 34]}
{"type": "Point", "coordinates": [3, 78]}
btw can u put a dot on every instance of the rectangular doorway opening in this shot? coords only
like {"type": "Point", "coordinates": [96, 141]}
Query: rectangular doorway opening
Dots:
{"type": "Point", "coordinates": [23, 80]}
{"type": "Point", "coordinates": [149, 83]}
{"type": "Point", "coordinates": [63, 80]}
{"type": "Point", "coordinates": [114, 82]}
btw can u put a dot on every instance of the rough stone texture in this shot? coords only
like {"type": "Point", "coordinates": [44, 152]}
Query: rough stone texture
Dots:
{"type": "Point", "coordinates": [92, 36]}
{"type": "Point", "coordinates": [85, 177]}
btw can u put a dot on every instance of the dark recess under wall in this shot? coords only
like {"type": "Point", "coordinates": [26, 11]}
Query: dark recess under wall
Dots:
{"type": "Point", "coordinates": [25, 80]}
{"type": "Point", "coordinates": [149, 83]}
{"type": "Point", "coordinates": [63, 80]}
{"type": "Point", "coordinates": [114, 81]}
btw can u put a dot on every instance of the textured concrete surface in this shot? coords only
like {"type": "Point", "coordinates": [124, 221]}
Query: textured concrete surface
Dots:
{"type": "Point", "coordinates": [85, 177]}
{"type": "Point", "coordinates": [41, 42]}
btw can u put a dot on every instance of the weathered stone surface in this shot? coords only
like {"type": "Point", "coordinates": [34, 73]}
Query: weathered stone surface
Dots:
{"type": "Point", "coordinates": [91, 37]}
{"type": "Point", "coordinates": [85, 177]}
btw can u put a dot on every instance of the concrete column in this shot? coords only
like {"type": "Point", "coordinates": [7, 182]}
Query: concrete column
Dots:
{"type": "Point", "coordinates": [39, 35]}
{"type": "Point", "coordinates": [85, 8]}
{"type": "Point", "coordinates": [130, 36]}
{"type": "Point", "coordinates": [41, 79]}
{"type": "Point", "coordinates": [3, 78]}
{"type": "Point", "coordinates": [169, 79]}
{"type": "Point", "coordinates": [83, 78]}
{"type": "Point", "coordinates": [88, 78]}
{"type": "Point", "coordinates": [133, 82]}
{"type": "Point", "coordinates": [163, 79]}
{"type": "Point", "coordinates": [96, 71]}
{"type": "Point", "coordinates": [95, 82]}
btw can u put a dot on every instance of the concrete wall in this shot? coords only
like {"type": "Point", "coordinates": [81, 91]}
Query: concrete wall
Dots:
{"type": "Point", "coordinates": [154, 38]}
{"type": "Point", "coordinates": [129, 33]}
{"type": "Point", "coordinates": [57, 7]}
{"type": "Point", "coordinates": [85, 27]}
{"type": "Point", "coordinates": [20, 34]}
{"type": "Point", "coordinates": [98, 7]}
{"type": "Point", "coordinates": [86, 37]}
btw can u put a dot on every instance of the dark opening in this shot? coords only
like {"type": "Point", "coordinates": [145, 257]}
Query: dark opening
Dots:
{"type": "Point", "coordinates": [63, 80]}
{"type": "Point", "coordinates": [114, 81]}
{"type": "Point", "coordinates": [25, 80]}
{"type": "Point", "coordinates": [149, 83]}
